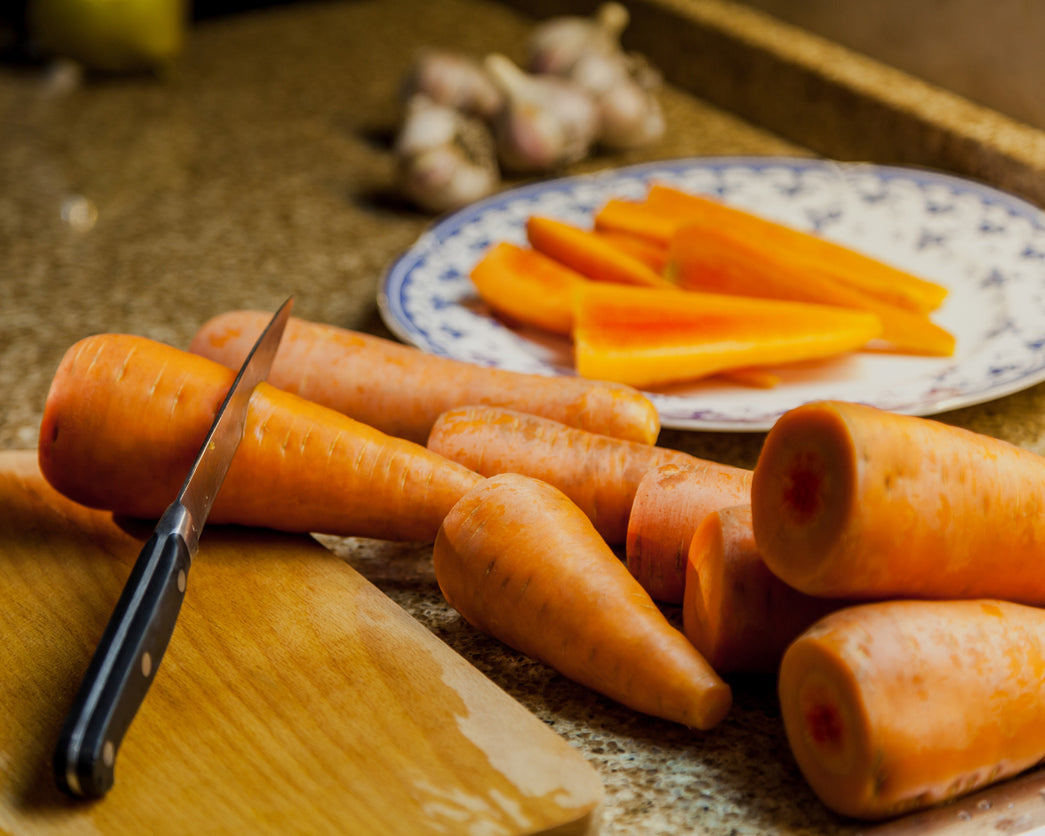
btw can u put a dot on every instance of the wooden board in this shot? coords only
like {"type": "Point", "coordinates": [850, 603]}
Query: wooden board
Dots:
{"type": "Point", "coordinates": [294, 696]}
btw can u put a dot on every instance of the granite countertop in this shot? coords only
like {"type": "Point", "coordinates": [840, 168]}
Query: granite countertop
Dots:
{"type": "Point", "coordinates": [259, 167]}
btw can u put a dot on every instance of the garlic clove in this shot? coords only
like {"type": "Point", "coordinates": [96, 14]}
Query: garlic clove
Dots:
{"type": "Point", "coordinates": [426, 124]}
{"type": "Point", "coordinates": [454, 80]}
{"type": "Point", "coordinates": [629, 117]}
{"type": "Point", "coordinates": [555, 45]}
{"type": "Point", "coordinates": [546, 121]}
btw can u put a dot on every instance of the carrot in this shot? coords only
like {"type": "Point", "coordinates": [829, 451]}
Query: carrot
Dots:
{"type": "Point", "coordinates": [671, 501]}
{"type": "Point", "coordinates": [527, 286]}
{"type": "Point", "coordinates": [600, 474]}
{"type": "Point", "coordinates": [850, 501]}
{"type": "Point", "coordinates": [125, 416]}
{"type": "Point", "coordinates": [518, 560]}
{"type": "Point", "coordinates": [812, 252]}
{"type": "Point", "coordinates": [589, 254]}
{"type": "Point", "coordinates": [644, 337]}
{"type": "Point", "coordinates": [738, 614]}
{"type": "Point", "coordinates": [640, 219]}
{"type": "Point", "coordinates": [727, 260]}
{"type": "Point", "coordinates": [401, 390]}
{"type": "Point", "coordinates": [892, 706]}
{"type": "Point", "coordinates": [756, 378]}
{"type": "Point", "coordinates": [653, 255]}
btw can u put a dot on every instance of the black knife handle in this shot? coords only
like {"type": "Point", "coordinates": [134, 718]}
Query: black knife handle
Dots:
{"type": "Point", "coordinates": [123, 667]}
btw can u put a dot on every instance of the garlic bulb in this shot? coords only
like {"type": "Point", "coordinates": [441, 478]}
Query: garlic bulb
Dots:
{"type": "Point", "coordinates": [445, 159]}
{"type": "Point", "coordinates": [545, 122]}
{"type": "Point", "coordinates": [624, 89]}
{"type": "Point", "coordinates": [454, 80]}
{"type": "Point", "coordinates": [555, 45]}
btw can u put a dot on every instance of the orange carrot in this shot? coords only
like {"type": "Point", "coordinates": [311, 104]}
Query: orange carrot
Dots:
{"type": "Point", "coordinates": [640, 219]}
{"type": "Point", "coordinates": [738, 614]}
{"type": "Point", "coordinates": [850, 501]}
{"type": "Point", "coordinates": [521, 562]}
{"type": "Point", "coordinates": [401, 390]}
{"type": "Point", "coordinates": [811, 252]}
{"type": "Point", "coordinates": [756, 378]}
{"type": "Point", "coordinates": [892, 706]}
{"type": "Point", "coordinates": [671, 501]}
{"type": "Point", "coordinates": [125, 417]}
{"type": "Point", "coordinates": [653, 255]}
{"type": "Point", "coordinates": [600, 474]}
{"type": "Point", "coordinates": [726, 260]}
{"type": "Point", "coordinates": [644, 337]}
{"type": "Point", "coordinates": [589, 254]}
{"type": "Point", "coordinates": [527, 286]}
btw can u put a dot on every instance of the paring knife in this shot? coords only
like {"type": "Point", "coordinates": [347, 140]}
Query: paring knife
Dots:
{"type": "Point", "coordinates": [129, 653]}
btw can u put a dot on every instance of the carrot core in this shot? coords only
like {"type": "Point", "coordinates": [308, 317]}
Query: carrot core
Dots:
{"type": "Point", "coordinates": [803, 490]}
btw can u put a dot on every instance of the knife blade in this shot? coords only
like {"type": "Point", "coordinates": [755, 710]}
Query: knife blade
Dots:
{"type": "Point", "coordinates": [139, 630]}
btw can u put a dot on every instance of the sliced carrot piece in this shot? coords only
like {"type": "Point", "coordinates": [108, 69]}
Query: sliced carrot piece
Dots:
{"type": "Point", "coordinates": [589, 254]}
{"type": "Point", "coordinates": [652, 254]}
{"type": "Point", "coordinates": [647, 337]}
{"type": "Point", "coordinates": [638, 218]}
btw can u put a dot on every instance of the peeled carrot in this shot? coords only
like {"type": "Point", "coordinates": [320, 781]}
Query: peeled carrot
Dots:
{"type": "Point", "coordinates": [401, 390]}
{"type": "Point", "coordinates": [521, 562]}
{"type": "Point", "coordinates": [527, 286]}
{"type": "Point", "coordinates": [850, 501]}
{"type": "Point", "coordinates": [653, 255]}
{"type": "Point", "coordinates": [892, 706]}
{"type": "Point", "coordinates": [125, 417]}
{"type": "Point", "coordinates": [645, 337]}
{"type": "Point", "coordinates": [600, 474]}
{"type": "Point", "coordinates": [671, 501]}
{"type": "Point", "coordinates": [588, 253]}
{"type": "Point", "coordinates": [640, 219]}
{"type": "Point", "coordinates": [727, 260]}
{"type": "Point", "coordinates": [811, 252]}
{"type": "Point", "coordinates": [738, 614]}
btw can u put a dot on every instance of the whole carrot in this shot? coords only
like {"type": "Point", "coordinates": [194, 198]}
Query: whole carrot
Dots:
{"type": "Point", "coordinates": [670, 503]}
{"type": "Point", "coordinates": [738, 614]}
{"type": "Point", "coordinates": [891, 706]}
{"type": "Point", "coordinates": [600, 474]}
{"type": "Point", "coordinates": [401, 390]}
{"type": "Point", "coordinates": [850, 501]}
{"type": "Point", "coordinates": [126, 415]}
{"type": "Point", "coordinates": [518, 560]}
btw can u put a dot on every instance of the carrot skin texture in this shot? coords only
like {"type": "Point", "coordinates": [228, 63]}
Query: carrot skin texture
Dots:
{"type": "Point", "coordinates": [670, 503]}
{"type": "Point", "coordinates": [850, 501]}
{"type": "Point", "coordinates": [738, 614]}
{"type": "Point", "coordinates": [600, 474]}
{"type": "Point", "coordinates": [125, 417]}
{"type": "Point", "coordinates": [891, 706]}
{"type": "Point", "coordinates": [519, 561]}
{"type": "Point", "coordinates": [401, 390]}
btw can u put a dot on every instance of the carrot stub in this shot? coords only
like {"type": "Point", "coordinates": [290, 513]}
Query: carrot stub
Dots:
{"type": "Point", "coordinates": [401, 390]}
{"type": "Point", "coordinates": [670, 503]}
{"type": "Point", "coordinates": [738, 614]}
{"type": "Point", "coordinates": [600, 474]}
{"type": "Point", "coordinates": [892, 706]}
{"type": "Point", "coordinates": [519, 561]}
{"type": "Point", "coordinates": [125, 417]}
{"type": "Point", "coordinates": [850, 501]}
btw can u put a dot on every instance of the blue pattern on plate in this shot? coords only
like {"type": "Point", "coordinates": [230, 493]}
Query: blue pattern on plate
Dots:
{"type": "Point", "coordinates": [986, 246]}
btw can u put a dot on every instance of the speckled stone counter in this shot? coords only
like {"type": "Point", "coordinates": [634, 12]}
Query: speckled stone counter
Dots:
{"type": "Point", "coordinates": [261, 167]}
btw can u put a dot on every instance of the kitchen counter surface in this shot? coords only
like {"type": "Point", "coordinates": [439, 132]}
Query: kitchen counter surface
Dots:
{"type": "Point", "coordinates": [260, 166]}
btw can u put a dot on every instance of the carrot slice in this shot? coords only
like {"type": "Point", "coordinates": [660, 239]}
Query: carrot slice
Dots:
{"type": "Point", "coordinates": [639, 218]}
{"type": "Point", "coordinates": [850, 501]}
{"type": "Point", "coordinates": [653, 255]}
{"type": "Point", "coordinates": [792, 246]}
{"type": "Point", "coordinates": [527, 286]}
{"type": "Point", "coordinates": [521, 562]}
{"type": "Point", "coordinates": [730, 261]}
{"type": "Point", "coordinates": [645, 337]}
{"type": "Point", "coordinates": [738, 614]}
{"type": "Point", "coordinates": [897, 705]}
{"type": "Point", "coordinates": [670, 503]}
{"type": "Point", "coordinates": [588, 253]}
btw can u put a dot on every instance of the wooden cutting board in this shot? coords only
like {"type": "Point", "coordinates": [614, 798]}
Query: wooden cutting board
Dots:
{"type": "Point", "coordinates": [294, 696]}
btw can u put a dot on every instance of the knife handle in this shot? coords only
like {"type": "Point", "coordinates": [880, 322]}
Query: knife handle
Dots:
{"type": "Point", "coordinates": [123, 667]}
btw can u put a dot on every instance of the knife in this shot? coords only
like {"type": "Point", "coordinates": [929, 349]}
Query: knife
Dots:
{"type": "Point", "coordinates": [125, 662]}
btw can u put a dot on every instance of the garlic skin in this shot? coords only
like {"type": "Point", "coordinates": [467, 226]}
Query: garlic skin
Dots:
{"type": "Point", "coordinates": [624, 88]}
{"type": "Point", "coordinates": [555, 45]}
{"type": "Point", "coordinates": [546, 122]}
{"type": "Point", "coordinates": [444, 159]}
{"type": "Point", "coordinates": [454, 80]}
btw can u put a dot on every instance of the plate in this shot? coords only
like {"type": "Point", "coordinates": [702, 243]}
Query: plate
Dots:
{"type": "Point", "coordinates": [986, 246]}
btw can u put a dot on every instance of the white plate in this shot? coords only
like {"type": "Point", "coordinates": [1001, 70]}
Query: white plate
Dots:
{"type": "Point", "coordinates": [986, 246]}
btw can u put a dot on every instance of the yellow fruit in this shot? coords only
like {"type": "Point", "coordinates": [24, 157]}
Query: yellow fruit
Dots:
{"type": "Point", "coordinates": [110, 35]}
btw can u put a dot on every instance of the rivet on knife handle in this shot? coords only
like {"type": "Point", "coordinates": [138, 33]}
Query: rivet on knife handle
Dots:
{"type": "Point", "coordinates": [140, 628]}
